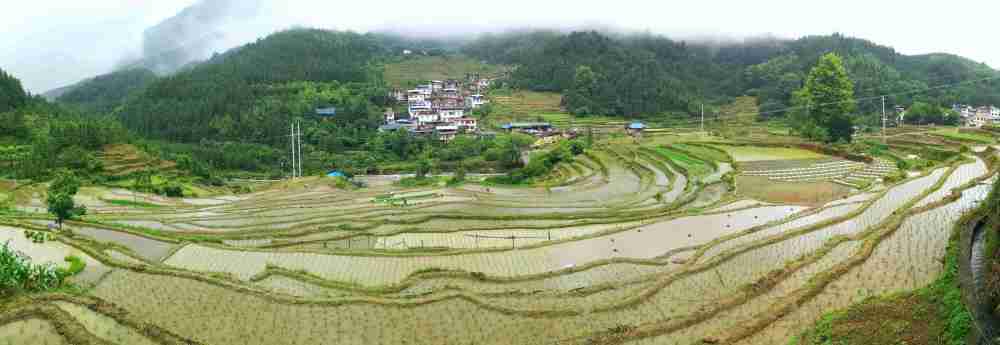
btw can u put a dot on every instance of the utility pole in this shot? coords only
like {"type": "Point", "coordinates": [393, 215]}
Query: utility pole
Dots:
{"type": "Point", "coordinates": [298, 128]}
{"type": "Point", "coordinates": [292, 142]}
{"type": "Point", "coordinates": [883, 119]}
{"type": "Point", "coordinates": [703, 117]}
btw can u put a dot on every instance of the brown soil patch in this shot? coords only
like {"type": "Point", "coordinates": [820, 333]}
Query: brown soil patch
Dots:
{"type": "Point", "coordinates": [796, 193]}
{"type": "Point", "coordinates": [911, 319]}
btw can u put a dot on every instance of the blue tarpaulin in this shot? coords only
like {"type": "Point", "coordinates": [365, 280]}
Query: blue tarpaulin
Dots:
{"type": "Point", "coordinates": [335, 173]}
{"type": "Point", "coordinates": [331, 111]}
{"type": "Point", "coordinates": [637, 125]}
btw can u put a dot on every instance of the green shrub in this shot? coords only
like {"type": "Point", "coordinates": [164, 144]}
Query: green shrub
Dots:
{"type": "Point", "coordinates": [18, 274]}
{"type": "Point", "coordinates": [173, 190]}
{"type": "Point", "coordinates": [76, 265]}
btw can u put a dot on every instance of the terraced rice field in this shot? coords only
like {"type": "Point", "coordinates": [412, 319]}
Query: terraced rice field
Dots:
{"type": "Point", "coordinates": [638, 245]}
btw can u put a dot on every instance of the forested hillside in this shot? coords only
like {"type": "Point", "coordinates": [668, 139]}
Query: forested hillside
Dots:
{"type": "Point", "coordinates": [104, 93]}
{"type": "Point", "coordinates": [233, 111]}
{"type": "Point", "coordinates": [235, 87]}
{"type": "Point", "coordinates": [644, 74]}
{"type": "Point", "coordinates": [603, 75]}
{"type": "Point", "coordinates": [38, 137]}
{"type": "Point", "coordinates": [12, 94]}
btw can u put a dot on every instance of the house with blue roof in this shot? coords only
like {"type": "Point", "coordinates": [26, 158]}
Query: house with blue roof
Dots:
{"type": "Point", "coordinates": [635, 128]}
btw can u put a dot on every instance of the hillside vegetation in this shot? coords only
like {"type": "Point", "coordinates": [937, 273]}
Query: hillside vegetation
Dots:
{"type": "Point", "coordinates": [106, 92]}
{"type": "Point", "coordinates": [642, 74]}
{"type": "Point", "coordinates": [416, 69]}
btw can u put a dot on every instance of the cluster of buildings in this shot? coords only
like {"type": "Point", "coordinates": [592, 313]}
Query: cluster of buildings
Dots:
{"type": "Point", "coordinates": [978, 116]}
{"type": "Point", "coordinates": [439, 107]}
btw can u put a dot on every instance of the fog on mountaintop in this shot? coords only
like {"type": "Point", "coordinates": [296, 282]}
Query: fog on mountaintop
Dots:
{"type": "Point", "coordinates": [73, 44]}
{"type": "Point", "coordinates": [195, 33]}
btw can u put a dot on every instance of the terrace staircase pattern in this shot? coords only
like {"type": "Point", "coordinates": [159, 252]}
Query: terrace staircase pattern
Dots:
{"type": "Point", "coordinates": [626, 247]}
{"type": "Point", "coordinates": [836, 170]}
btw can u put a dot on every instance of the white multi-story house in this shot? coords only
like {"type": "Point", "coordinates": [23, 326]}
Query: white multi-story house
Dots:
{"type": "Point", "coordinates": [425, 117]}
{"type": "Point", "coordinates": [416, 96]}
{"type": "Point", "coordinates": [449, 114]}
{"type": "Point", "coordinates": [446, 133]}
{"type": "Point", "coordinates": [469, 124]}
{"type": "Point", "coordinates": [475, 101]}
{"type": "Point", "coordinates": [420, 106]}
{"type": "Point", "coordinates": [985, 115]}
{"type": "Point", "coordinates": [426, 90]}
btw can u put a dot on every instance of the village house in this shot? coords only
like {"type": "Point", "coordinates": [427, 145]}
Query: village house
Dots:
{"type": "Point", "coordinates": [446, 132]}
{"type": "Point", "coordinates": [420, 107]}
{"type": "Point", "coordinates": [468, 124]}
{"type": "Point", "coordinates": [635, 128]}
{"type": "Point", "coordinates": [425, 117]}
{"type": "Point", "coordinates": [398, 95]}
{"type": "Point", "coordinates": [532, 128]}
{"type": "Point", "coordinates": [415, 96]}
{"type": "Point", "coordinates": [451, 113]}
{"type": "Point", "coordinates": [984, 115]}
{"type": "Point", "coordinates": [441, 107]}
{"type": "Point", "coordinates": [475, 101]}
{"type": "Point", "coordinates": [389, 115]}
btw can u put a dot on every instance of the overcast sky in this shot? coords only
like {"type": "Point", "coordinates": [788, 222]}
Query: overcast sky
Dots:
{"type": "Point", "coordinates": [51, 43]}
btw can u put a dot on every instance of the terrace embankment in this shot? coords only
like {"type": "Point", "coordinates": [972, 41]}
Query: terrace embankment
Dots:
{"type": "Point", "coordinates": [626, 244]}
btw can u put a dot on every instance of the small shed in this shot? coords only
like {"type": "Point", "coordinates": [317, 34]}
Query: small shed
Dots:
{"type": "Point", "coordinates": [326, 112]}
{"type": "Point", "coordinates": [635, 128]}
{"type": "Point", "coordinates": [528, 127]}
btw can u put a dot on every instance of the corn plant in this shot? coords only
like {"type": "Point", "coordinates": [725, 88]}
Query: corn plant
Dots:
{"type": "Point", "coordinates": [19, 274]}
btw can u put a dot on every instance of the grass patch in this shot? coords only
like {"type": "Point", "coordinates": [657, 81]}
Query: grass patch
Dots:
{"type": "Point", "coordinates": [130, 203]}
{"type": "Point", "coordinates": [955, 134]}
{"type": "Point", "coordinates": [411, 182]}
{"type": "Point", "coordinates": [423, 68]}
{"type": "Point", "coordinates": [694, 166]}
{"type": "Point", "coordinates": [705, 152]}
{"type": "Point", "coordinates": [757, 153]}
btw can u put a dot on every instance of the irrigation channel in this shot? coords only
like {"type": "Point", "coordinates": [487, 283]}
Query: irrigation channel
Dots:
{"type": "Point", "coordinates": [625, 244]}
{"type": "Point", "coordinates": [974, 284]}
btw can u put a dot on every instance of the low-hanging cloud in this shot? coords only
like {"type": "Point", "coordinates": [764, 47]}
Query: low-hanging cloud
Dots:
{"type": "Point", "coordinates": [53, 43]}
{"type": "Point", "coordinates": [196, 32]}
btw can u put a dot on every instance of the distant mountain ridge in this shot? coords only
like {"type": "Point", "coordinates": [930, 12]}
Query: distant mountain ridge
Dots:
{"type": "Point", "coordinates": [639, 74]}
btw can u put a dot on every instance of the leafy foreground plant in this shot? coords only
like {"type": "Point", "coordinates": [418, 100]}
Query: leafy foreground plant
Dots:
{"type": "Point", "coordinates": [18, 274]}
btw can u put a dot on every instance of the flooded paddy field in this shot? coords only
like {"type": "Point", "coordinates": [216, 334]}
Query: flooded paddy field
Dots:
{"type": "Point", "coordinates": [627, 240]}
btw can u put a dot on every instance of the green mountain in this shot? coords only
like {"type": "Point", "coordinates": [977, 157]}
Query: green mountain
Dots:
{"type": "Point", "coordinates": [234, 87]}
{"type": "Point", "coordinates": [104, 93]}
{"type": "Point", "coordinates": [646, 74]}
{"type": "Point", "coordinates": [249, 92]}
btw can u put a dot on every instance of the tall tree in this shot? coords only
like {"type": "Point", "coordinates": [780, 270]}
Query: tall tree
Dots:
{"type": "Point", "coordinates": [580, 99]}
{"type": "Point", "coordinates": [828, 99]}
{"type": "Point", "coordinates": [12, 94]}
{"type": "Point", "coordinates": [60, 198]}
